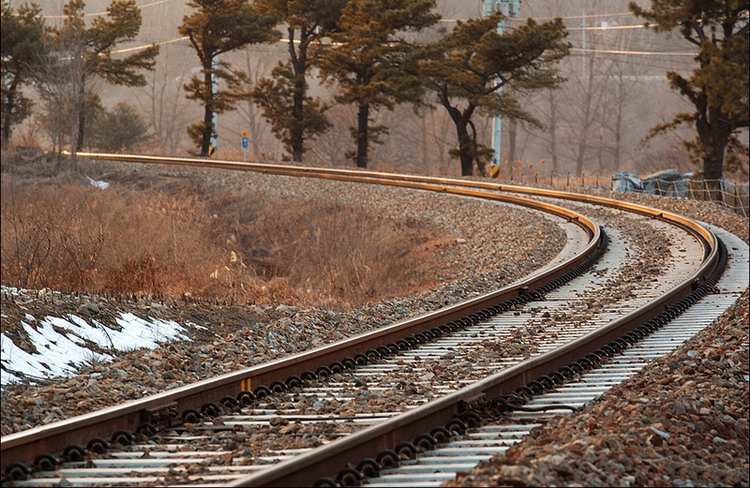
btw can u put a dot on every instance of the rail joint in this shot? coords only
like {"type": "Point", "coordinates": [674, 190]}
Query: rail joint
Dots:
{"type": "Point", "coordinates": [161, 415]}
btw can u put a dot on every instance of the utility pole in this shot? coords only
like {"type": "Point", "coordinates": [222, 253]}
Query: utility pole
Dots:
{"type": "Point", "coordinates": [215, 115]}
{"type": "Point", "coordinates": [584, 45]}
{"type": "Point", "coordinates": [509, 8]}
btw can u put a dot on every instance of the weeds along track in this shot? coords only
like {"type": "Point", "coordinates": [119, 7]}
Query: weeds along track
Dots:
{"type": "Point", "coordinates": [375, 400]}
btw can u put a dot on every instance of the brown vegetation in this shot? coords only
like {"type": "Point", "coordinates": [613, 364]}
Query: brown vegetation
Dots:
{"type": "Point", "coordinates": [181, 238]}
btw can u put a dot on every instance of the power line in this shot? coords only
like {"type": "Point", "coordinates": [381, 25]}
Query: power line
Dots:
{"type": "Point", "coordinates": [575, 49]}
{"type": "Point", "coordinates": [139, 48]}
{"type": "Point", "coordinates": [607, 28]}
{"type": "Point", "coordinates": [522, 19]}
{"type": "Point", "coordinates": [637, 53]}
{"type": "Point", "coordinates": [99, 14]}
{"type": "Point", "coordinates": [653, 44]}
{"type": "Point", "coordinates": [587, 16]}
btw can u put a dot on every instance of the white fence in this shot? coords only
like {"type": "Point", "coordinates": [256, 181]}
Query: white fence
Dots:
{"type": "Point", "coordinates": [724, 192]}
{"type": "Point", "coordinates": [731, 195]}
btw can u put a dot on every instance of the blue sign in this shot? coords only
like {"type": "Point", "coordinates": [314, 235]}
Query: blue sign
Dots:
{"type": "Point", "coordinates": [244, 142]}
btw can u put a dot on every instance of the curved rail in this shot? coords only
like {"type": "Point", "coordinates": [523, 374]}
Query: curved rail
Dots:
{"type": "Point", "coordinates": [396, 179]}
{"type": "Point", "coordinates": [448, 185]}
{"type": "Point", "coordinates": [323, 463]}
{"type": "Point", "coordinates": [161, 408]}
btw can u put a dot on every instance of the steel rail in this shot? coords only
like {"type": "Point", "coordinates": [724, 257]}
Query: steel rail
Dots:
{"type": "Point", "coordinates": [378, 176]}
{"type": "Point", "coordinates": [159, 409]}
{"type": "Point", "coordinates": [324, 462]}
{"type": "Point", "coordinates": [384, 435]}
{"type": "Point", "coordinates": [318, 463]}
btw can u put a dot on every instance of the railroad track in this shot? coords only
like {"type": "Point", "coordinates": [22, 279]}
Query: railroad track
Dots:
{"type": "Point", "coordinates": [505, 424]}
{"type": "Point", "coordinates": [304, 411]}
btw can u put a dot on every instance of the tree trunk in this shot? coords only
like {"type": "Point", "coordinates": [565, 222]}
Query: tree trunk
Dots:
{"type": "Point", "coordinates": [553, 130]}
{"type": "Point", "coordinates": [465, 152]}
{"type": "Point", "coordinates": [297, 130]}
{"type": "Point", "coordinates": [714, 135]}
{"type": "Point", "coordinates": [618, 120]}
{"type": "Point", "coordinates": [363, 116]}
{"type": "Point", "coordinates": [512, 132]}
{"type": "Point", "coordinates": [587, 118]}
{"type": "Point", "coordinates": [299, 64]}
{"type": "Point", "coordinates": [208, 113]}
{"type": "Point", "coordinates": [73, 146]}
{"type": "Point", "coordinates": [583, 137]}
{"type": "Point", "coordinates": [464, 149]}
{"type": "Point", "coordinates": [9, 102]}
{"type": "Point", "coordinates": [6, 122]}
{"type": "Point", "coordinates": [81, 125]}
{"type": "Point", "coordinates": [81, 102]}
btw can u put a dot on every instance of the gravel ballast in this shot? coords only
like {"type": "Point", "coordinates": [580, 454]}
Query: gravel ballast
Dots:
{"type": "Point", "coordinates": [681, 421]}
{"type": "Point", "coordinates": [706, 403]}
{"type": "Point", "coordinates": [226, 338]}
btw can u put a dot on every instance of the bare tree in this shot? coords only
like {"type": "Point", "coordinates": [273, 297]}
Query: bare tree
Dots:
{"type": "Point", "coordinates": [167, 109]}
{"type": "Point", "coordinates": [588, 121]}
{"type": "Point", "coordinates": [331, 148]}
{"type": "Point", "coordinates": [419, 139]}
{"type": "Point", "coordinates": [59, 75]}
{"type": "Point", "coordinates": [622, 93]}
{"type": "Point", "coordinates": [260, 140]}
{"type": "Point", "coordinates": [437, 129]}
{"type": "Point", "coordinates": [584, 116]}
{"type": "Point", "coordinates": [546, 106]}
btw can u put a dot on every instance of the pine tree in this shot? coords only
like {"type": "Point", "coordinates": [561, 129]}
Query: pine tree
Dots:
{"type": "Point", "coordinates": [373, 63]}
{"type": "Point", "coordinates": [294, 115]}
{"type": "Point", "coordinates": [21, 33]}
{"type": "Point", "coordinates": [471, 63]}
{"type": "Point", "coordinates": [119, 128]}
{"type": "Point", "coordinates": [221, 26]}
{"type": "Point", "coordinates": [718, 87]}
{"type": "Point", "coordinates": [89, 52]}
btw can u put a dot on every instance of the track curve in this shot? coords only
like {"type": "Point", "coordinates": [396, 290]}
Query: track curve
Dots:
{"type": "Point", "coordinates": [160, 408]}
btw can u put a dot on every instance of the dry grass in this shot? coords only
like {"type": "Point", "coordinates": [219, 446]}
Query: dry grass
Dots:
{"type": "Point", "coordinates": [182, 240]}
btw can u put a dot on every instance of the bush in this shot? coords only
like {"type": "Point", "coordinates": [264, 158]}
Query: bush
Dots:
{"type": "Point", "coordinates": [75, 237]}
{"type": "Point", "coordinates": [122, 128]}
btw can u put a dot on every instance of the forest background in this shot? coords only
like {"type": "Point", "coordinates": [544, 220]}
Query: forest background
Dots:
{"type": "Point", "coordinates": [616, 90]}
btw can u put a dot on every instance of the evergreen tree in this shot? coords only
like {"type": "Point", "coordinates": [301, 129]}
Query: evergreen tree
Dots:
{"type": "Point", "coordinates": [221, 26]}
{"type": "Point", "coordinates": [374, 63]}
{"type": "Point", "coordinates": [118, 129]}
{"type": "Point", "coordinates": [718, 87]}
{"type": "Point", "coordinates": [21, 33]}
{"type": "Point", "coordinates": [293, 114]}
{"type": "Point", "coordinates": [468, 66]}
{"type": "Point", "coordinates": [89, 51]}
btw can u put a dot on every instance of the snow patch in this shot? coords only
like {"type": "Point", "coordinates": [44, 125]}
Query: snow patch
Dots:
{"type": "Point", "coordinates": [60, 354]}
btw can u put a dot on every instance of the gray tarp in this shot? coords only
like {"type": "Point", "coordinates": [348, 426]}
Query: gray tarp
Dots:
{"type": "Point", "coordinates": [624, 181]}
{"type": "Point", "coordinates": [669, 182]}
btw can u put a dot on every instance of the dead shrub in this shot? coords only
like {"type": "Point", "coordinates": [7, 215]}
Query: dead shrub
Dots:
{"type": "Point", "coordinates": [135, 276]}
{"type": "Point", "coordinates": [173, 242]}
{"type": "Point", "coordinates": [77, 237]}
{"type": "Point", "coordinates": [332, 254]}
